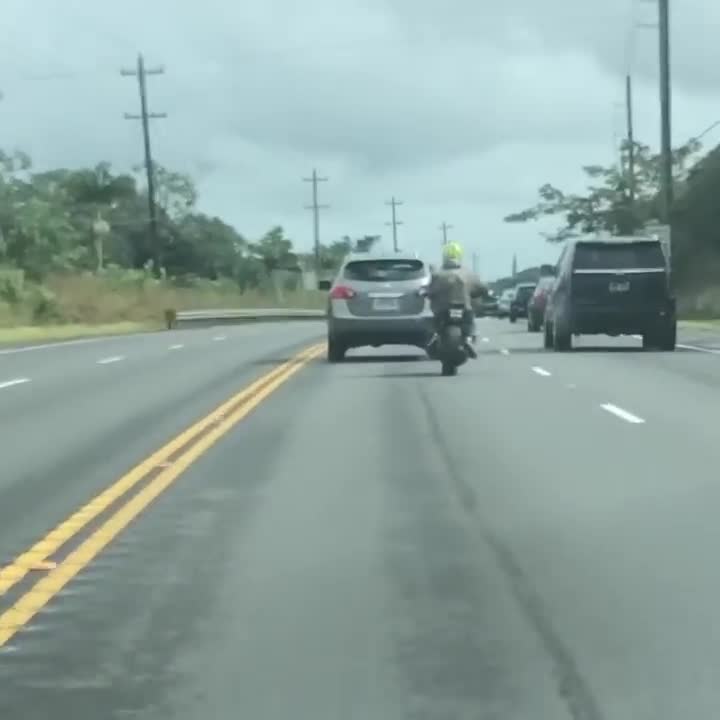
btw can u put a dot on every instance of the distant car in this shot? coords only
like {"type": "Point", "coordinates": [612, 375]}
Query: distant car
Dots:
{"type": "Point", "coordinates": [487, 306]}
{"type": "Point", "coordinates": [536, 305]}
{"type": "Point", "coordinates": [504, 303]}
{"type": "Point", "coordinates": [521, 297]}
{"type": "Point", "coordinates": [612, 286]}
{"type": "Point", "coordinates": [378, 300]}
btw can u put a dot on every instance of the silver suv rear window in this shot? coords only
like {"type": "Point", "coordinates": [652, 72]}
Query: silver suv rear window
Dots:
{"type": "Point", "coordinates": [384, 270]}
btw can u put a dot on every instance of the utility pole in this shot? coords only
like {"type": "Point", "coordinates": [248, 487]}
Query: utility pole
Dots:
{"type": "Point", "coordinates": [630, 139]}
{"type": "Point", "coordinates": [445, 227]}
{"type": "Point", "coordinates": [141, 72]}
{"type": "Point", "coordinates": [315, 179]}
{"type": "Point", "coordinates": [393, 203]}
{"type": "Point", "coordinates": [665, 110]}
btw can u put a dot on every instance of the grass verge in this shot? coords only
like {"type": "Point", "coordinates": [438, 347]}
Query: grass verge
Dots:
{"type": "Point", "coordinates": [44, 333]}
{"type": "Point", "coordinates": [709, 324]}
{"type": "Point", "coordinates": [77, 306]}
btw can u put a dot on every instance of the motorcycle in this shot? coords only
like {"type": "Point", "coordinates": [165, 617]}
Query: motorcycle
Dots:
{"type": "Point", "coordinates": [452, 350]}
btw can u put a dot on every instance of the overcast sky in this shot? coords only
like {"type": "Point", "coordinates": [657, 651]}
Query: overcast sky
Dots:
{"type": "Point", "coordinates": [460, 108]}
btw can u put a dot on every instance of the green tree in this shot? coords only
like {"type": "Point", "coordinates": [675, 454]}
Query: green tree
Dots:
{"type": "Point", "coordinates": [366, 243]}
{"type": "Point", "coordinates": [696, 224]}
{"type": "Point", "coordinates": [47, 220]}
{"type": "Point", "coordinates": [606, 205]}
{"type": "Point", "coordinates": [204, 246]}
{"type": "Point", "coordinates": [331, 256]}
{"type": "Point", "coordinates": [175, 193]}
{"type": "Point", "coordinates": [275, 251]}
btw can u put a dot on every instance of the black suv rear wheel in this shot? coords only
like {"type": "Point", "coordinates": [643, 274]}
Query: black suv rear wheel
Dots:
{"type": "Point", "coordinates": [661, 338]}
{"type": "Point", "coordinates": [562, 338]}
{"type": "Point", "coordinates": [547, 336]}
{"type": "Point", "coordinates": [668, 341]}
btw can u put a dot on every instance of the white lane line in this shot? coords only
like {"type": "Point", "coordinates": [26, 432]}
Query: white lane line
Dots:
{"type": "Point", "coordinates": [176, 347]}
{"type": "Point", "coordinates": [486, 339]}
{"type": "Point", "coordinates": [685, 346]}
{"type": "Point", "coordinates": [12, 383]}
{"type": "Point", "coordinates": [218, 338]}
{"type": "Point", "coordinates": [696, 348]}
{"type": "Point", "coordinates": [505, 351]}
{"type": "Point", "coordinates": [622, 414]}
{"type": "Point", "coordinates": [541, 371]}
{"type": "Point", "coordinates": [109, 360]}
{"type": "Point", "coordinates": [50, 346]}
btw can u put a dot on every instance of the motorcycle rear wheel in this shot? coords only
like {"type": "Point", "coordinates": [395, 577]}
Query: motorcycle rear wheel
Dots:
{"type": "Point", "coordinates": [449, 369]}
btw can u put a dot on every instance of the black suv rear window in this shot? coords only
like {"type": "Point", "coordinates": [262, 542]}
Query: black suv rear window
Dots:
{"type": "Point", "coordinates": [384, 270]}
{"type": "Point", "coordinates": [606, 256]}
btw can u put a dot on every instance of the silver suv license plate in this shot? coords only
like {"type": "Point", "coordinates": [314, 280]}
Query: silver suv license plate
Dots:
{"type": "Point", "coordinates": [618, 287]}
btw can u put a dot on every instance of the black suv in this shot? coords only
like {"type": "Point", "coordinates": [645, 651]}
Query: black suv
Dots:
{"type": "Point", "coordinates": [520, 300]}
{"type": "Point", "coordinates": [612, 286]}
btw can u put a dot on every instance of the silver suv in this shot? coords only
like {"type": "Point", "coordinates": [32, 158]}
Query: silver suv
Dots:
{"type": "Point", "coordinates": [376, 300]}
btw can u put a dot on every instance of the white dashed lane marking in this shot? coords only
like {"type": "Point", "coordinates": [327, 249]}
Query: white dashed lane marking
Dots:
{"type": "Point", "coordinates": [13, 383]}
{"type": "Point", "coordinates": [109, 360]}
{"type": "Point", "coordinates": [622, 414]}
{"type": "Point", "coordinates": [541, 371]}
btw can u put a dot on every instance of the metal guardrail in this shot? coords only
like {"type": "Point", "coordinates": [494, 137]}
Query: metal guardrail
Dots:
{"type": "Point", "coordinates": [198, 318]}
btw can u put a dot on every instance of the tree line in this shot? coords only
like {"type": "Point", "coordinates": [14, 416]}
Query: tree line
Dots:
{"type": "Point", "coordinates": [622, 203]}
{"type": "Point", "coordinates": [89, 219]}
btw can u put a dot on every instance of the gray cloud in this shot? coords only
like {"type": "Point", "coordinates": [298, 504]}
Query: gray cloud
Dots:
{"type": "Point", "coordinates": [460, 108]}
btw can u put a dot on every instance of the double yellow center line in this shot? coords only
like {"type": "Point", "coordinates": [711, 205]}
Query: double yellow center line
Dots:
{"type": "Point", "coordinates": [165, 466]}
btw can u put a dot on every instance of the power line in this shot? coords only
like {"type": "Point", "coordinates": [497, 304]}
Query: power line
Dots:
{"type": "Point", "coordinates": [393, 203]}
{"type": "Point", "coordinates": [699, 136]}
{"type": "Point", "coordinates": [445, 227]}
{"type": "Point", "coordinates": [141, 72]}
{"type": "Point", "coordinates": [315, 179]}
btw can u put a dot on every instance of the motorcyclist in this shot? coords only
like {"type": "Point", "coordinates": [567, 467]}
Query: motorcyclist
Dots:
{"type": "Point", "coordinates": [453, 284]}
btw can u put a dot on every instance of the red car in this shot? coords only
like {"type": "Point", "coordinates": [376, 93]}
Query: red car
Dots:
{"type": "Point", "coordinates": [536, 304]}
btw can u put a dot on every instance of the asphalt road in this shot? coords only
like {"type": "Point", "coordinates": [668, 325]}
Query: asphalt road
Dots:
{"type": "Point", "coordinates": [534, 538]}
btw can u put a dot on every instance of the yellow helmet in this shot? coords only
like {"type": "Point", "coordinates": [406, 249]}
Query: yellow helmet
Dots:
{"type": "Point", "coordinates": [452, 254]}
